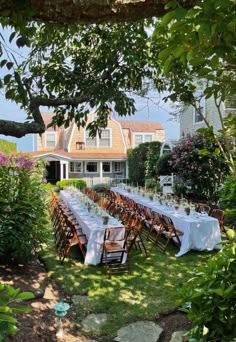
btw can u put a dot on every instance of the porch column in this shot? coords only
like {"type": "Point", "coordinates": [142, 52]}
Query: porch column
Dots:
{"type": "Point", "coordinates": [61, 170]}
{"type": "Point", "coordinates": [101, 171]}
{"type": "Point", "coordinates": [126, 170]}
{"type": "Point", "coordinates": [67, 169]}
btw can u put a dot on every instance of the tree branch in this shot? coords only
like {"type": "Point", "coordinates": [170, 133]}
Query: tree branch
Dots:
{"type": "Point", "coordinates": [20, 129]}
{"type": "Point", "coordinates": [89, 11]}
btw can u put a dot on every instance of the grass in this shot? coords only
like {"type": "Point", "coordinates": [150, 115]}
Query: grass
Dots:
{"type": "Point", "coordinates": [149, 291]}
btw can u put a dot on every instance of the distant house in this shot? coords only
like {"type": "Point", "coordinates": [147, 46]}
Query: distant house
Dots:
{"type": "Point", "coordinates": [71, 153]}
{"type": "Point", "coordinates": [191, 121]}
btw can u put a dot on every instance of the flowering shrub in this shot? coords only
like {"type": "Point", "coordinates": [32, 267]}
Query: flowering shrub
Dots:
{"type": "Point", "coordinates": [22, 207]}
{"type": "Point", "coordinates": [198, 162]}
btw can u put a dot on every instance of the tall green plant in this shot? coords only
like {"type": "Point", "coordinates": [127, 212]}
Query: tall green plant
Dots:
{"type": "Point", "coordinates": [9, 299]}
{"type": "Point", "coordinates": [23, 216]}
{"type": "Point", "coordinates": [211, 296]}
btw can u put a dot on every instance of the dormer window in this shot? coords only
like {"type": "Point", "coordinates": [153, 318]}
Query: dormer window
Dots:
{"type": "Point", "coordinates": [140, 138]}
{"type": "Point", "coordinates": [51, 139]}
{"type": "Point", "coordinates": [80, 145]}
{"type": "Point", "coordinates": [102, 140]}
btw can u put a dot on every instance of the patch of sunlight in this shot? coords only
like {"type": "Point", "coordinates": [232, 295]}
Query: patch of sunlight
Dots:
{"type": "Point", "coordinates": [131, 297]}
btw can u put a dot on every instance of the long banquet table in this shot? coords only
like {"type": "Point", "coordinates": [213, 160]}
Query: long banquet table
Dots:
{"type": "Point", "coordinates": [92, 226]}
{"type": "Point", "coordinates": [200, 233]}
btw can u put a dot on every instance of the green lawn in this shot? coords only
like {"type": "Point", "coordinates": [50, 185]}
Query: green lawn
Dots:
{"type": "Point", "coordinates": [150, 289]}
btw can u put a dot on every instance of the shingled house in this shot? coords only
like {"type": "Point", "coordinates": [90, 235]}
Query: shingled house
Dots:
{"type": "Point", "coordinates": [72, 154]}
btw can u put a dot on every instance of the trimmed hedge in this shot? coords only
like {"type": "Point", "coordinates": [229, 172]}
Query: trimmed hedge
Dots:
{"type": "Point", "coordinates": [78, 183]}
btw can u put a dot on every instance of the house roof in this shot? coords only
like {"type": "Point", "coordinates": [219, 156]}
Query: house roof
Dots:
{"type": "Point", "coordinates": [78, 155]}
{"type": "Point", "coordinates": [141, 126]}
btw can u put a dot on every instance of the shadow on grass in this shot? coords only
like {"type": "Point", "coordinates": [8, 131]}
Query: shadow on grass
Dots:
{"type": "Point", "coordinates": [149, 291]}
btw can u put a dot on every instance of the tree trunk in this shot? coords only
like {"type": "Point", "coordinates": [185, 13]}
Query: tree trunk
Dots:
{"type": "Point", "coordinates": [88, 11]}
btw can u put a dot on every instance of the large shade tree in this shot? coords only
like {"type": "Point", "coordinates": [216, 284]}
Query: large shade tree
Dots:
{"type": "Point", "coordinates": [76, 68]}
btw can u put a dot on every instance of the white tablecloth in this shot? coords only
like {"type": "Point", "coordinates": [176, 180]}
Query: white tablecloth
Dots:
{"type": "Point", "coordinates": [202, 233]}
{"type": "Point", "coordinates": [92, 226]}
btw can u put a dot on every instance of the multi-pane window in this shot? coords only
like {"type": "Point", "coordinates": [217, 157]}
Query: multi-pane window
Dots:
{"type": "Point", "coordinates": [198, 113]}
{"type": "Point", "coordinates": [92, 167]}
{"type": "Point", "coordinates": [91, 142]}
{"type": "Point", "coordinates": [75, 167]}
{"type": "Point", "coordinates": [117, 167]}
{"type": "Point", "coordinates": [106, 167]}
{"type": "Point", "coordinates": [142, 138]}
{"type": "Point", "coordinates": [51, 140]}
{"type": "Point", "coordinates": [102, 140]}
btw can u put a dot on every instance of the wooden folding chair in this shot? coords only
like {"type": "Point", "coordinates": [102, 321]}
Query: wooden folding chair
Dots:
{"type": "Point", "coordinates": [168, 230]}
{"type": "Point", "coordinates": [219, 215]}
{"type": "Point", "coordinates": [134, 235]}
{"type": "Point", "coordinates": [114, 250]}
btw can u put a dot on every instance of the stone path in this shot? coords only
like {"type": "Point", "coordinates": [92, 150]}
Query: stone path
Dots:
{"type": "Point", "coordinates": [139, 332]}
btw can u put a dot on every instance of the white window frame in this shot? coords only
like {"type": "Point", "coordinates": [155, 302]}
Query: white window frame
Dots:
{"type": "Point", "coordinates": [203, 105]}
{"type": "Point", "coordinates": [110, 167]}
{"type": "Point", "coordinates": [142, 134]}
{"type": "Point", "coordinates": [81, 167]}
{"type": "Point", "coordinates": [119, 168]}
{"type": "Point", "coordinates": [98, 139]}
{"type": "Point", "coordinates": [86, 165]}
{"type": "Point", "coordinates": [46, 141]}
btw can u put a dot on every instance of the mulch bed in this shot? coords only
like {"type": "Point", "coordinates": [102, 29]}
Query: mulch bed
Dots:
{"type": "Point", "coordinates": [41, 326]}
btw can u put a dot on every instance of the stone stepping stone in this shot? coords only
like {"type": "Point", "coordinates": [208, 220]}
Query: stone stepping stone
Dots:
{"type": "Point", "coordinates": [94, 322]}
{"type": "Point", "coordinates": [139, 332]}
{"type": "Point", "coordinates": [177, 336]}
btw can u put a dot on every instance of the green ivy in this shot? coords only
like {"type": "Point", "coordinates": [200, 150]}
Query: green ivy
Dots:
{"type": "Point", "coordinates": [142, 161]}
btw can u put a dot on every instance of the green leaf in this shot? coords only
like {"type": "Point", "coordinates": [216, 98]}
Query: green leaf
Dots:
{"type": "Point", "coordinates": [25, 295]}
{"type": "Point", "coordinates": [167, 18]}
{"type": "Point", "coordinates": [7, 78]}
{"type": "Point", "coordinates": [9, 65]}
{"type": "Point", "coordinates": [179, 51]}
{"type": "Point", "coordinates": [167, 66]}
{"type": "Point", "coordinates": [3, 62]}
{"type": "Point", "coordinates": [164, 54]}
{"type": "Point", "coordinates": [5, 309]}
{"type": "Point", "coordinates": [8, 319]}
{"type": "Point", "coordinates": [21, 309]}
{"type": "Point", "coordinates": [171, 4]}
{"type": "Point", "coordinates": [219, 292]}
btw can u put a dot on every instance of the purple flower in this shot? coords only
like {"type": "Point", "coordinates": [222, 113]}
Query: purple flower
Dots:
{"type": "Point", "coordinates": [4, 160]}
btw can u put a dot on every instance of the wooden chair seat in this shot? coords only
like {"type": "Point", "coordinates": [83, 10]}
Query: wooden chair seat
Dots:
{"type": "Point", "coordinates": [112, 247]}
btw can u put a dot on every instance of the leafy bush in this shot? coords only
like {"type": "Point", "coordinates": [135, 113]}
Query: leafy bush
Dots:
{"type": "Point", "coordinates": [23, 212]}
{"type": "Point", "coordinates": [100, 187]}
{"type": "Point", "coordinates": [152, 184]}
{"type": "Point", "coordinates": [230, 218]}
{"type": "Point", "coordinates": [228, 194]}
{"type": "Point", "coordinates": [211, 294]}
{"type": "Point", "coordinates": [8, 296]}
{"type": "Point", "coordinates": [199, 162]}
{"type": "Point", "coordinates": [78, 183]}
